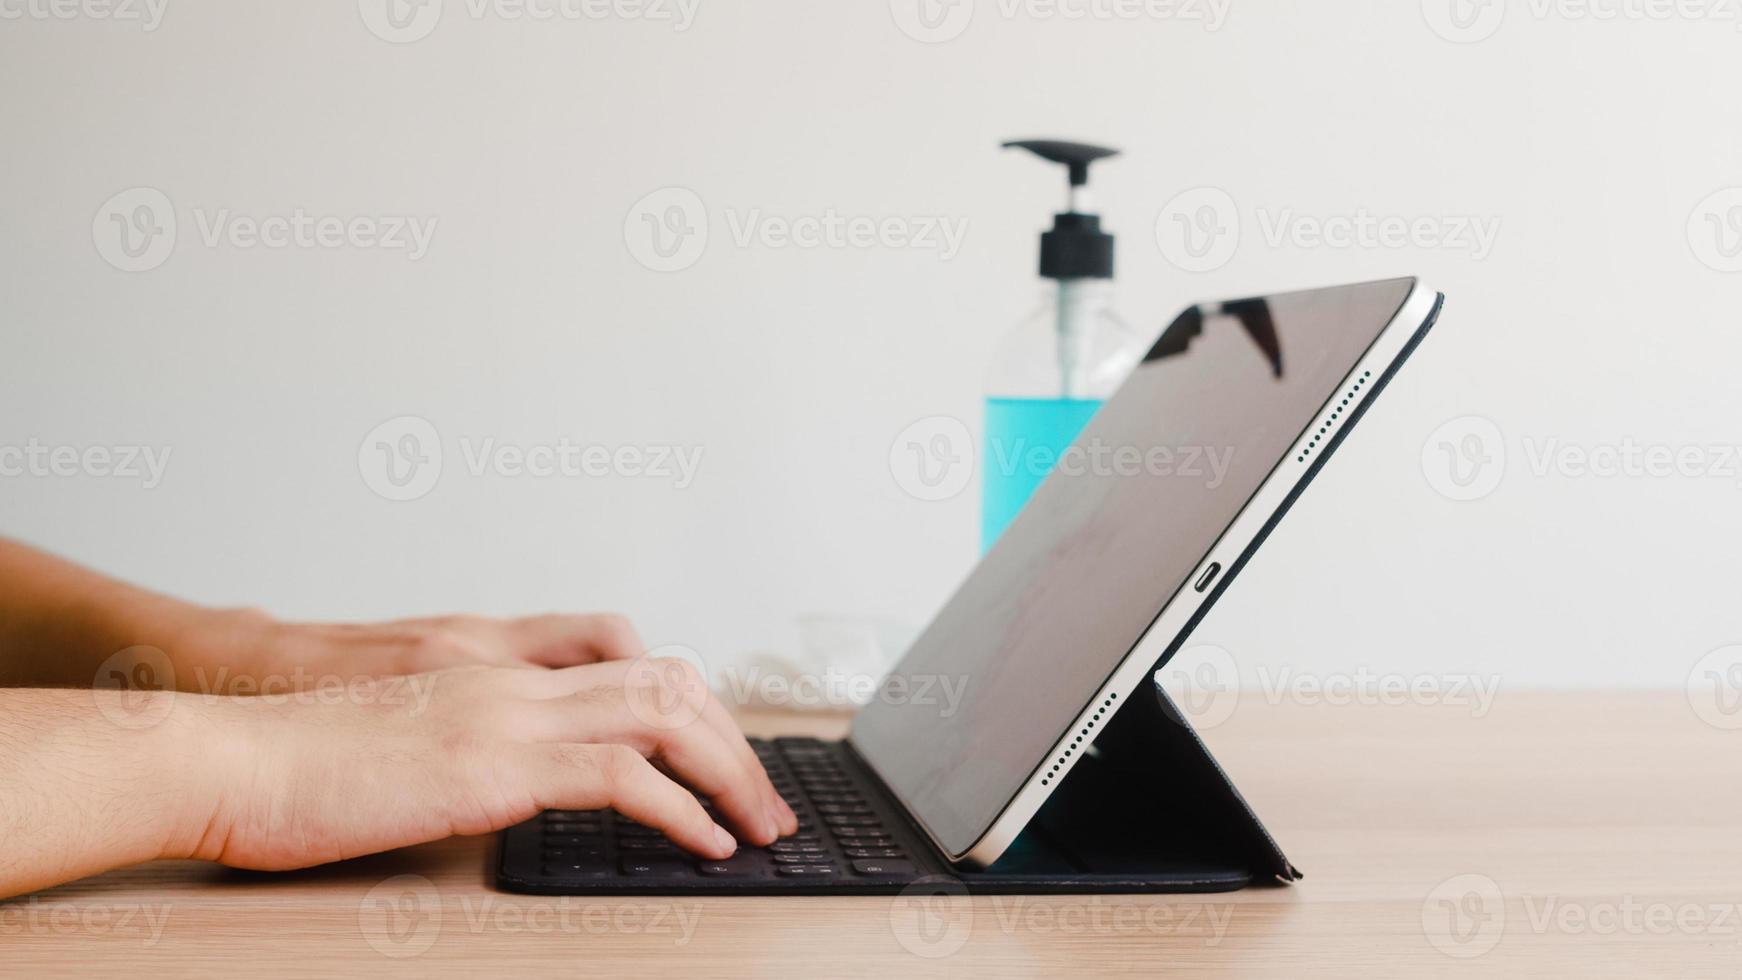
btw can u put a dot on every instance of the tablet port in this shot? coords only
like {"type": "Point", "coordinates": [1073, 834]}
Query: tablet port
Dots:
{"type": "Point", "coordinates": [1209, 576]}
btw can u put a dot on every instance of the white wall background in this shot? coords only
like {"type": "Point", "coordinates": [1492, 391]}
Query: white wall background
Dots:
{"type": "Point", "coordinates": [1592, 321]}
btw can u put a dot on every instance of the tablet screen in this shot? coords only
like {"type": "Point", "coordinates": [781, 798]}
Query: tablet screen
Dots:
{"type": "Point", "coordinates": [1106, 541]}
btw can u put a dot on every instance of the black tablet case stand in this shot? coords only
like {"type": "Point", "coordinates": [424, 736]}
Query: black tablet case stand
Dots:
{"type": "Point", "coordinates": [1147, 809]}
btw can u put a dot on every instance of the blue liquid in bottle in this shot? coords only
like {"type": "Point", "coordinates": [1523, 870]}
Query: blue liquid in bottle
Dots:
{"type": "Point", "coordinates": [1024, 437]}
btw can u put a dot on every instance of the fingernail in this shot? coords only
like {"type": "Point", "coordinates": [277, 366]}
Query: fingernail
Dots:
{"type": "Point", "coordinates": [727, 842]}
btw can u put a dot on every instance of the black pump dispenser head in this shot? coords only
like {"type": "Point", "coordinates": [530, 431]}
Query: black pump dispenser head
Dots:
{"type": "Point", "coordinates": [1076, 247]}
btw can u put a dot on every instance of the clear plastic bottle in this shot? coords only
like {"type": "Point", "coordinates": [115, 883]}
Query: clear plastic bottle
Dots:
{"type": "Point", "coordinates": [1050, 375]}
{"type": "Point", "coordinates": [1059, 364]}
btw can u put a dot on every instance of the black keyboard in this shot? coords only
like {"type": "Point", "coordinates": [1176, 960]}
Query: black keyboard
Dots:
{"type": "Point", "coordinates": [849, 839]}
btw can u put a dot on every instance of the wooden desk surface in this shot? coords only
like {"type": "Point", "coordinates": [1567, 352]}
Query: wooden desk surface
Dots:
{"type": "Point", "coordinates": [1559, 835]}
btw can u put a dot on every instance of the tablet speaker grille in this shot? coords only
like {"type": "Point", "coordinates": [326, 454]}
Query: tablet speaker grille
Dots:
{"type": "Point", "coordinates": [1082, 736]}
{"type": "Point", "coordinates": [1329, 423]}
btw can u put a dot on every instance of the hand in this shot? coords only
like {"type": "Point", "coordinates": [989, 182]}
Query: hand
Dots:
{"type": "Point", "coordinates": [473, 750]}
{"type": "Point", "coordinates": [246, 652]}
{"type": "Point", "coordinates": [60, 624]}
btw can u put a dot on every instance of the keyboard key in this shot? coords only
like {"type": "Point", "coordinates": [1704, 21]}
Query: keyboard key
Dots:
{"type": "Point", "coordinates": [637, 830]}
{"type": "Point", "coordinates": [583, 815]}
{"type": "Point", "coordinates": [874, 852]}
{"type": "Point", "coordinates": [588, 870]}
{"type": "Point", "coordinates": [807, 857]}
{"type": "Point", "coordinates": [639, 844]}
{"type": "Point", "coordinates": [860, 834]}
{"type": "Point", "coordinates": [572, 855]}
{"type": "Point", "coordinates": [795, 847]}
{"type": "Point", "coordinates": [736, 866]}
{"type": "Point", "coordinates": [572, 840]}
{"type": "Point", "coordinates": [805, 871]}
{"type": "Point", "coordinates": [637, 867]}
{"type": "Point", "coordinates": [843, 809]}
{"type": "Point", "coordinates": [851, 820]}
{"type": "Point", "coordinates": [881, 868]}
{"type": "Point", "coordinates": [570, 827]}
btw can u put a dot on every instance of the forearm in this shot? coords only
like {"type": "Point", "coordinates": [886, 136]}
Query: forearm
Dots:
{"type": "Point", "coordinates": [94, 780]}
{"type": "Point", "coordinates": [60, 622]}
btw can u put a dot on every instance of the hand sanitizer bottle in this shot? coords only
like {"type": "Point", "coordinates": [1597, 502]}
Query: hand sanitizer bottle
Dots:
{"type": "Point", "coordinates": [1061, 362]}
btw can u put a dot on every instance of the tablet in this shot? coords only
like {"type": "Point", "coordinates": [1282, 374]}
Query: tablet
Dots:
{"type": "Point", "coordinates": [1136, 530]}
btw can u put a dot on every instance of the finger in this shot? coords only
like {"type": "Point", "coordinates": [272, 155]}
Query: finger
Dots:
{"type": "Point", "coordinates": [560, 682]}
{"type": "Point", "coordinates": [593, 777]}
{"type": "Point", "coordinates": [558, 640]}
{"type": "Point", "coordinates": [598, 678]}
{"type": "Point", "coordinates": [693, 750]}
{"type": "Point", "coordinates": [716, 715]}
